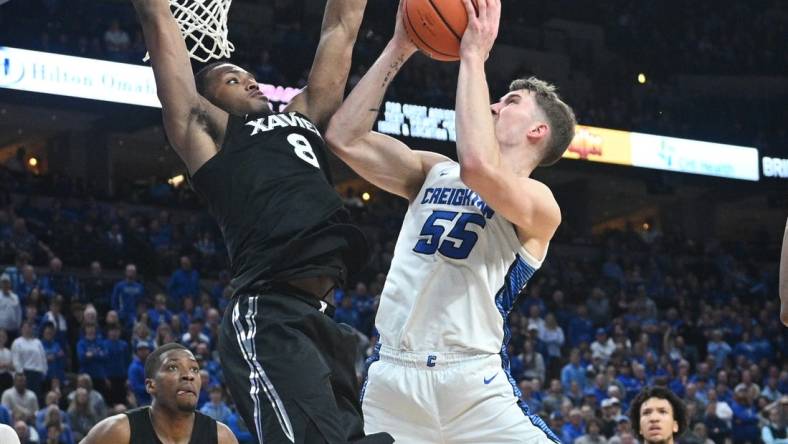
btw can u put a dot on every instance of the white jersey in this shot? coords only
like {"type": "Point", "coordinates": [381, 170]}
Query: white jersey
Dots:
{"type": "Point", "coordinates": [458, 268]}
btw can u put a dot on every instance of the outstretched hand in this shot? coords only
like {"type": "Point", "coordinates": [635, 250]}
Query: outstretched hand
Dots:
{"type": "Point", "coordinates": [483, 20]}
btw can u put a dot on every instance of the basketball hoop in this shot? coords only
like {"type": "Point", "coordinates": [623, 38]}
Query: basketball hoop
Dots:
{"type": "Point", "coordinates": [203, 24]}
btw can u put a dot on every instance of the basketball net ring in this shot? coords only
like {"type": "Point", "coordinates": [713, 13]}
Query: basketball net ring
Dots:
{"type": "Point", "coordinates": [203, 24]}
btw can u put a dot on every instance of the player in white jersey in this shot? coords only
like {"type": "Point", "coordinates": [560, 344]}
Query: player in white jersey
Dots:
{"type": "Point", "coordinates": [474, 233]}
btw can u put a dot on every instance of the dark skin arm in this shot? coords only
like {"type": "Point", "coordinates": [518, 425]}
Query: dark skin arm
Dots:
{"type": "Point", "coordinates": [331, 66]}
{"type": "Point", "coordinates": [225, 435]}
{"type": "Point", "coordinates": [193, 125]}
{"type": "Point", "coordinates": [114, 429]}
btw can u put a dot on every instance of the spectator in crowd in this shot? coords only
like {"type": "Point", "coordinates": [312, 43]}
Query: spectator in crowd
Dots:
{"type": "Point", "coordinates": [6, 363]}
{"type": "Point", "coordinates": [97, 288]}
{"type": "Point", "coordinates": [16, 271]}
{"type": "Point", "coordinates": [95, 398]}
{"type": "Point", "coordinates": [189, 311]}
{"type": "Point", "coordinates": [745, 417]}
{"type": "Point", "coordinates": [698, 435]}
{"type": "Point", "coordinates": [20, 400]}
{"type": "Point", "coordinates": [533, 362]}
{"type": "Point", "coordinates": [116, 41]}
{"type": "Point", "coordinates": [593, 433]}
{"type": "Point", "coordinates": [52, 400]}
{"type": "Point", "coordinates": [718, 348]}
{"type": "Point", "coordinates": [529, 395]}
{"type": "Point", "coordinates": [574, 428]}
{"type": "Point", "coordinates": [216, 408]}
{"type": "Point", "coordinates": [159, 314]}
{"type": "Point", "coordinates": [185, 281]}
{"type": "Point", "coordinates": [92, 355]}
{"type": "Point", "coordinates": [573, 371]}
{"type": "Point", "coordinates": [554, 398]}
{"type": "Point", "coordinates": [136, 373]}
{"type": "Point", "coordinates": [126, 295]}
{"type": "Point", "coordinates": [195, 335]}
{"type": "Point", "coordinates": [81, 414]}
{"type": "Point", "coordinates": [116, 368]}
{"type": "Point", "coordinates": [59, 282]}
{"type": "Point", "coordinates": [55, 429]}
{"type": "Point", "coordinates": [27, 282]}
{"type": "Point", "coordinates": [56, 317]}
{"type": "Point", "coordinates": [611, 410]}
{"type": "Point", "coordinates": [346, 313]}
{"type": "Point", "coordinates": [55, 355]}
{"type": "Point", "coordinates": [208, 363]}
{"type": "Point", "coordinates": [27, 435]}
{"type": "Point", "coordinates": [10, 307]}
{"type": "Point", "coordinates": [603, 346]}
{"type": "Point", "coordinates": [30, 358]}
{"type": "Point", "coordinates": [580, 327]}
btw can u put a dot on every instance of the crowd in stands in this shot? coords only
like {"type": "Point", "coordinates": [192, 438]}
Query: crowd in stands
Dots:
{"type": "Point", "coordinates": [91, 287]}
{"type": "Point", "coordinates": [703, 39]}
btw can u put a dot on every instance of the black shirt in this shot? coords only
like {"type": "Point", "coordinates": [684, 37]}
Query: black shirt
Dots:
{"type": "Point", "coordinates": [142, 432]}
{"type": "Point", "coordinates": [271, 193]}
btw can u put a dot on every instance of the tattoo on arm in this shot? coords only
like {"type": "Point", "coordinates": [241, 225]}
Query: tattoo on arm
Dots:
{"type": "Point", "coordinates": [393, 69]}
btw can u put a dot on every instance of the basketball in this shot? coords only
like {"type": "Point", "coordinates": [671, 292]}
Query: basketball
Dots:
{"type": "Point", "coordinates": [436, 26]}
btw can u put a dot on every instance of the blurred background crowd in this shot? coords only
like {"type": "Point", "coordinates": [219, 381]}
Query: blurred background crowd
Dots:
{"type": "Point", "coordinates": [93, 281]}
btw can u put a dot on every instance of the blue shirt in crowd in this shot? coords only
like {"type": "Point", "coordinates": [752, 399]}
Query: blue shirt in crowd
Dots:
{"type": "Point", "coordinates": [183, 283]}
{"type": "Point", "coordinates": [125, 297]}
{"type": "Point", "coordinates": [117, 358]}
{"type": "Point", "coordinates": [136, 375]}
{"type": "Point", "coordinates": [56, 360]}
{"type": "Point", "coordinates": [94, 365]}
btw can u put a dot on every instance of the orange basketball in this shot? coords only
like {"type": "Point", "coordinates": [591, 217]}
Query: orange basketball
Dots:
{"type": "Point", "coordinates": [436, 26]}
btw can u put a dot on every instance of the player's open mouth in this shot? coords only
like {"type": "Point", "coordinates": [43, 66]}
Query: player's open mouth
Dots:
{"type": "Point", "coordinates": [185, 392]}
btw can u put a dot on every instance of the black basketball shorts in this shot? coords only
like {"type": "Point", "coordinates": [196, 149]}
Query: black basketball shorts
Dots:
{"type": "Point", "coordinates": [290, 370]}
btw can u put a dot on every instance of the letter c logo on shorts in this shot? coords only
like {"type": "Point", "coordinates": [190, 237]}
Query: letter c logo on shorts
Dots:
{"type": "Point", "coordinates": [431, 360]}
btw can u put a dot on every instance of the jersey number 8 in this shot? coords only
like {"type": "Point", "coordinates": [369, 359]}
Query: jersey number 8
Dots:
{"type": "Point", "coordinates": [458, 243]}
{"type": "Point", "coordinates": [303, 149]}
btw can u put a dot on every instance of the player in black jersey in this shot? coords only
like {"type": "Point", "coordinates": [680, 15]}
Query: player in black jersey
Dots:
{"type": "Point", "coordinates": [264, 175]}
{"type": "Point", "coordinates": [172, 377]}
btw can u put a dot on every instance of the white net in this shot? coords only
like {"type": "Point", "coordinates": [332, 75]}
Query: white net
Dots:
{"type": "Point", "coordinates": [203, 24]}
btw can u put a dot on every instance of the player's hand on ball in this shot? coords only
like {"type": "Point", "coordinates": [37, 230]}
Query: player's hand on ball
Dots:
{"type": "Point", "coordinates": [400, 36]}
{"type": "Point", "coordinates": [482, 27]}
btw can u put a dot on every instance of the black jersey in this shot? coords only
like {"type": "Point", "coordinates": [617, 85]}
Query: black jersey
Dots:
{"type": "Point", "coordinates": [271, 193]}
{"type": "Point", "coordinates": [142, 432]}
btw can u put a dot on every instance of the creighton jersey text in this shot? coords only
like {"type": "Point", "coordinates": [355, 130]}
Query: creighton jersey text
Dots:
{"type": "Point", "coordinates": [458, 268]}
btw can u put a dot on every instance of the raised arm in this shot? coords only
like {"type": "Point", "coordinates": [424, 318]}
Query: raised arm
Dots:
{"type": "Point", "coordinates": [528, 204]}
{"type": "Point", "coordinates": [382, 160]}
{"type": "Point", "coordinates": [328, 75]}
{"type": "Point", "coordinates": [187, 115]}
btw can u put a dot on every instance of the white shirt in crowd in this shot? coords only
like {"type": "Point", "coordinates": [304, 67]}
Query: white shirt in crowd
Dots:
{"type": "Point", "coordinates": [29, 354]}
{"type": "Point", "coordinates": [25, 405]}
{"type": "Point", "coordinates": [10, 311]}
{"type": "Point", "coordinates": [553, 339]}
{"type": "Point", "coordinates": [603, 350]}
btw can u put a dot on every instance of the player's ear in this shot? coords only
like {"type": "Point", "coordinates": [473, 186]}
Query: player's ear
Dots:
{"type": "Point", "coordinates": [675, 426]}
{"type": "Point", "coordinates": [537, 132]}
{"type": "Point", "coordinates": [150, 386]}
